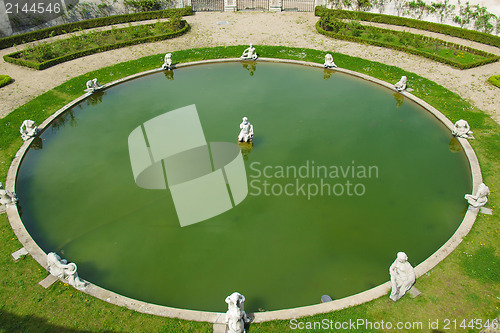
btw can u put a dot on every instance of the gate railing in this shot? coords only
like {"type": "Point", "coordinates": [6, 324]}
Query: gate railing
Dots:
{"type": "Point", "coordinates": [256, 5]}
{"type": "Point", "coordinates": [252, 5]}
{"type": "Point", "coordinates": [298, 5]}
{"type": "Point", "coordinates": [207, 5]}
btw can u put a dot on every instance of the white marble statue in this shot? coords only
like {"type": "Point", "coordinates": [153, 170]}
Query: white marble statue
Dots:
{"type": "Point", "coordinates": [235, 315]}
{"type": "Point", "coordinates": [93, 85]}
{"type": "Point", "coordinates": [246, 133]}
{"type": "Point", "coordinates": [28, 129]}
{"type": "Point", "coordinates": [6, 197]}
{"type": "Point", "coordinates": [481, 197]}
{"type": "Point", "coordinates": [462, 130]}
{"type": "Point", "coordinates": [329, 61]}
{"type": "Point", "coordinates": [249, 53]}
{"type": "Point", "coordinates": [401, 85]}
{"type": "Point", "coordinates": [60, 268]}
{"type": "Point", "coordinates": [402, 276]}
{"type": "Point", "coordinates": [167, 64]}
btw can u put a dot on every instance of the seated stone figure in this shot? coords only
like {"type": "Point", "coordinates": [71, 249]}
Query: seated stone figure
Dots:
{"type": "Point", "coordinates": [481, 197]}
{"type": "Point", "coordinates": [167, 64]}
{"type": "Point", "coordinates": [7, 197]}
{"type": "Point", "coordinates": [402, 276]}
{"type": "Point", "coordinates": [329, 61]}
{"type": "Point", "coordinates": [462, 130]}
{"type": "Point", "coordinates": [235, 315]}
{"type": "Point", "coordinates": [246, 133]}
{"type": "Point", "coordinates": [93, 85]}
{"type": "Point", "coordinates": [401, 85]}
{"type": "Point", "coordinates": [249, 53]}
{"type": "Point", "coordinates": [28, 129]}
{"type": "Point", "coordinates": [60, 268]}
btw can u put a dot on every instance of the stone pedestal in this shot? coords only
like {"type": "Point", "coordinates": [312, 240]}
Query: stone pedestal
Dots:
{"type": "Point", "coordinates": [229, 5]}
{"type": "Point", "coordinates": [275, 5]}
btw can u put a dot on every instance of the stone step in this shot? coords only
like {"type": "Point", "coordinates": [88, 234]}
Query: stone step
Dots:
{"type": "Point", "coordinates": [19, 253]}
{"type": "Point", "coordinates": [220, 328]}
{"type": "Point", "coordinates": [48, 281]}
{"type": "Point", "coordinates": [414, 292]}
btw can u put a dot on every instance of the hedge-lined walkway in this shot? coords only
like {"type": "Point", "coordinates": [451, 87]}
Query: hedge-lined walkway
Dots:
{"type": "Point", "coordinates": [286, 28]}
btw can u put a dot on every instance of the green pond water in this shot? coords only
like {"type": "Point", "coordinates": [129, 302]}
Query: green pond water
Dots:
{"type": "Point", "coordinates": [78, 196]}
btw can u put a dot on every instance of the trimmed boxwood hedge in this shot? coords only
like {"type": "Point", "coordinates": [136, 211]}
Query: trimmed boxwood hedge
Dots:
{"type": "Point", "coordinates": [14, 57]}
{"type": "Point", "coordinates": [472, 35]}
{"type": "Point", "coordinates": [495, 80]}
{"type": "Point", "coordinates": [490, 57]}
{"type": "Point", "coordinates": [92, 23]}
{"type": "Point", "coordinates": [5, 80]}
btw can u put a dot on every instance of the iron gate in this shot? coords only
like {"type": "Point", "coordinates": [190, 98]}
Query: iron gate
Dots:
{"type": "Point", "coordinates": [252, 5]}
{"type": "Point", "coordinates": [207, 5]}
{"type": "Point", "coordinates": [298, 5]}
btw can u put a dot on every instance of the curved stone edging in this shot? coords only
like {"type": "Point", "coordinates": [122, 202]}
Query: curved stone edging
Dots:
{"type": "Point", "coordinates": [215, 317]}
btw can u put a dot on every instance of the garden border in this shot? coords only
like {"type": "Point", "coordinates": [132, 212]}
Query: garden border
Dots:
{"type": "Point", "coordinates": [91, 23]}
{"type": "Point", "coordinates": [449, 30]}
{"type": "Point", "coordinates": [52, 62]}
{"type": "Point", "coordinates": [492, 57]}
{"type": "Point", "coordinates": [214, 317]}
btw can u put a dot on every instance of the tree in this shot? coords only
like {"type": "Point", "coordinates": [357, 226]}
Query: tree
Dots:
{"type": "Point", "coordinates": [482, 19]}
{"type": "Point", "coordinates": [380, 5]}
{"type": "Point", "coordinates": [417, 8]}
{"type": "Point", "coordinates": [399, 5]}
{"type": "Point", "coordinates": [442, 10]}
{"type": "Point", "coordinates": [362, 5]}
{"type": "Point", "coordinates": [342, 4]}
{"type": "Point", "coordinates": [465, 15]}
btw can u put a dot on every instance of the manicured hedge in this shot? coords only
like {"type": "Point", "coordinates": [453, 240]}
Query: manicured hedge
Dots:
{"type": "Point", "coordinates": [495, 80]}
{"type": "Point", "coordinates": [14, 57]}
{"type": "Point", "coordinates": [490, 57]}
{"type": "Point", "coordinates": [473, 35]}
{"type": "Point", "coordinates": [5, 80]}
{"type": "Point", "coordinates": [92, 23]}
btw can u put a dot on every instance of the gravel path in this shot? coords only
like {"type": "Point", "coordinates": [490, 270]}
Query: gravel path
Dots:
{"type": "Point", "coordinates": [285, 28]}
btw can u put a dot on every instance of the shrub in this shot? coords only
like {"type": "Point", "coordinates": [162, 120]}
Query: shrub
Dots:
{"type": "Point", "coordinates": [495, 80]}
{"type": "Point", "coordinates": [145, 5]}
{"type": "Point", "coordinates": [5, 80]}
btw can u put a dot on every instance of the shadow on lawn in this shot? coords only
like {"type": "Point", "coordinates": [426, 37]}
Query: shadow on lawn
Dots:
{"type": "Point", "coordinates": [13, 323]}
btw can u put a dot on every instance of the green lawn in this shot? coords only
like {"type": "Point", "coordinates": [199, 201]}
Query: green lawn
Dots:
{"type": "Point", "coordinates": [466, 285]}
{"type": "Point", "coordinates": [448, 53]}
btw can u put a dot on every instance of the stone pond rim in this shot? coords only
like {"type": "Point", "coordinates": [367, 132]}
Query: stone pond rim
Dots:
{"type": "Point", "coordinates": [215, 317]}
